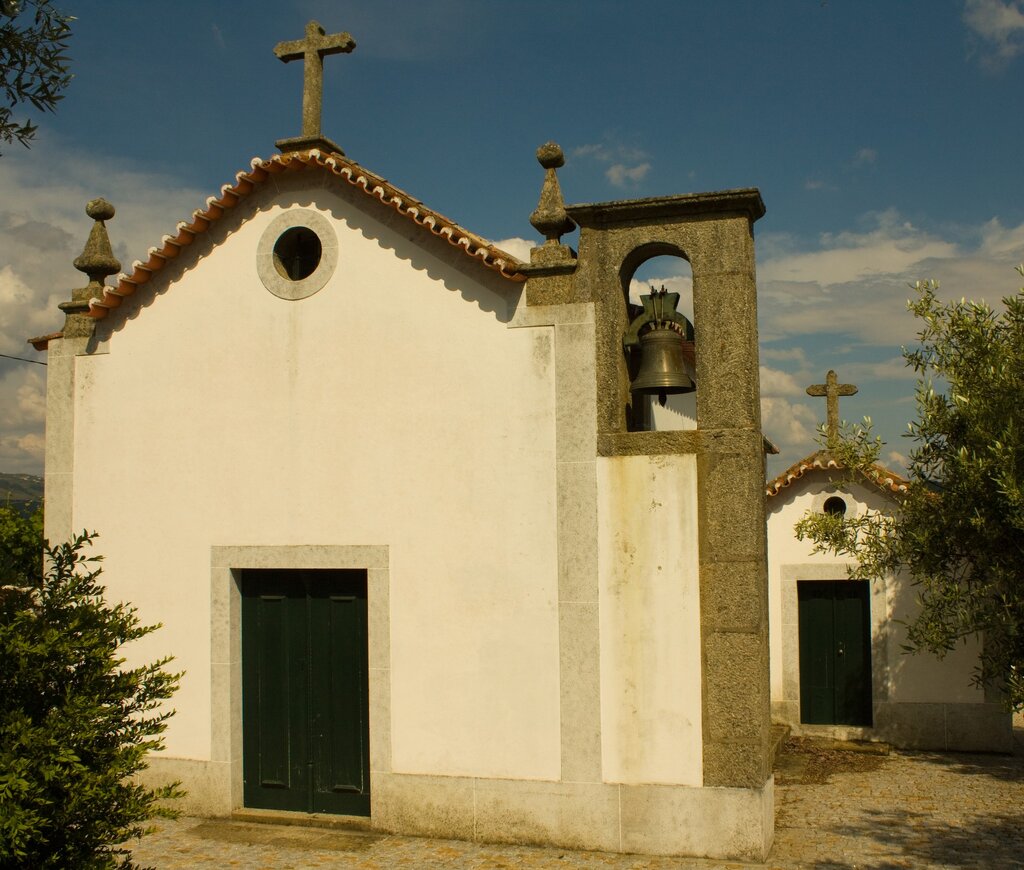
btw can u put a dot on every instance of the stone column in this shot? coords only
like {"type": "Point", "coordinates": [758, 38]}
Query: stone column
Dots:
{"type": "Point", "coordinates": [733, 548]}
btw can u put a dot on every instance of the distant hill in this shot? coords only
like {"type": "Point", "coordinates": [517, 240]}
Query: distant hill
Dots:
{"type": "Point", "coordinates": [20, 488]}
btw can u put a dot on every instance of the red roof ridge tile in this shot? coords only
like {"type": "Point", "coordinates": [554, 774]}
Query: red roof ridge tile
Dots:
{"type": "Point", "coordinates": [247, 181]}
{"type": "Point", "coordinates": [881, 476]}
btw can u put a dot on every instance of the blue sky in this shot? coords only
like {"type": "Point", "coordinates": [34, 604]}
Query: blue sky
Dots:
{"type": "Point", "coordinates": [884, 138]}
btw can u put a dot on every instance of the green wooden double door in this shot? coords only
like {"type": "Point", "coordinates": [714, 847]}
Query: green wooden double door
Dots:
{"type": "Point", "coordinates": [835, 652]}
{"type": "Point", "coordinates": [305, 691]}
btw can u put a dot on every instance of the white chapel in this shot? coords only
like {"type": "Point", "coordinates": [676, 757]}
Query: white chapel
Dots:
{"type": "Point", "coordinates": [416, 539]}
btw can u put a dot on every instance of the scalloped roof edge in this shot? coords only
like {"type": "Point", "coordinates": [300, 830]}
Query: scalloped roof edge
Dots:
{"type": "Point", "coordinates": [247, 181]}
{"type": "Point", "coordinates": [822, 460]}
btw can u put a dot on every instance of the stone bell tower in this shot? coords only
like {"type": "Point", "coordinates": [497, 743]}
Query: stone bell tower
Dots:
{"type": "Point", "coordinates": [662, 547]}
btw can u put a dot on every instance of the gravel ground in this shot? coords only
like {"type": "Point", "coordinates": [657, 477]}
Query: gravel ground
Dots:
{"type": "Point", "coordinates": [835, 808]}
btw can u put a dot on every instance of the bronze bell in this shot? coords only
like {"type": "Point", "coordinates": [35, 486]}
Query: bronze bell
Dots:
{"type": "Point", "coordinates": [662, 369]}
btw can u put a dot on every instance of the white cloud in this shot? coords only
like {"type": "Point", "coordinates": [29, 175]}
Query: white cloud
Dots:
{"type": "Point", "coordinates": [610, 151]}
{"type": "Point", "coordinates": [22, 413]}
{"type": "Point", "coordinates": [775, 382]}
{"type": "Point", "coordinates": [895, 460]}
{"type": "Point", "coordinates": [43, 227]}
{"type": "Point", "coordinates": [22, 454]}
{"type": "Point", "coordinates": [627, 164]}
{"type": "Point", "coordinates": [790, 425]}
{"type": "Point", "coordinates": [856, 283]}
{"type": "Point", "coordinates": [797, 355]}
{"type": "Point", "coordinates": [893, 369]}
{"type": "Point", "coordinates": [841, 303]}
{"type": "Point", "coordinates": [998, 26]}
{"type": "Point", "coordinates": [623, 176]}
{"type": "Point", "coordinates": [517, 247]}
{"type": "Point", "coordinates": [681, 284]}
{"type": "Point", "coordinates": [998, 241]}
{"type": "Point", "coordinates": [865, 157]}
{"type": "Point", "coordinates": [218, 37]}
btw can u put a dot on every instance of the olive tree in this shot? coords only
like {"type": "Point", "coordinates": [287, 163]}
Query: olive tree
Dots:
{"type": "Point", "coordinates": [33, 63]}
{"type": "Point", "coordinates": [958, 532]}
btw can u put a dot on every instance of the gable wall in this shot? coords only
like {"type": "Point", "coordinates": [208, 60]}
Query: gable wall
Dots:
{"type": "Point", "coordinates": [394, 407]}
{"type": "Point", "coordinates": [918, 698]}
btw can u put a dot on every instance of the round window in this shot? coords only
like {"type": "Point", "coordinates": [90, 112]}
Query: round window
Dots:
{"type": "Point", "coordinates": [297, 253]}
{"type": "Point", "coordinates": [834, 506]}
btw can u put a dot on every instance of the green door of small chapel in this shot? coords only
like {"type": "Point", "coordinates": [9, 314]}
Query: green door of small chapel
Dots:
{"type": "Point", "coordinates": [305, 691]}
{"type": "Point", "coordinates": [835, 652]}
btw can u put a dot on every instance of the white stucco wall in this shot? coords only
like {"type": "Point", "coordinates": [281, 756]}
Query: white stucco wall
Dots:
{"type": "Point", "coordinates": [679, 412]}
{"type": "Point", "coordinates": [394, 407]}
{"type": "Point", "coordinates": [896, 676]}
{"type": "Point", "coordinates": [649, 598]}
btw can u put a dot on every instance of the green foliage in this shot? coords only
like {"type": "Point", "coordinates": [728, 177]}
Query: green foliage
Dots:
{"type": "Point", "coordinates": [21, 545]}
{"type": "Point", "coordinates": [959, 531]}
{"type": "Point", "coordinates": [75, 723]}
{"type": "Point", "coordinates": [33, 63]}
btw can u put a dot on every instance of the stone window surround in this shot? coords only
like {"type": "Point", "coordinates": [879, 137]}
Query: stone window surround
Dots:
{"type": "Point", "coordinates": [273, 280]}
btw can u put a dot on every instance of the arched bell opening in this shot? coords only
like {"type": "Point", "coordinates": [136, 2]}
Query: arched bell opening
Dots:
{"type": "Point", "coordinates": [657, 287]}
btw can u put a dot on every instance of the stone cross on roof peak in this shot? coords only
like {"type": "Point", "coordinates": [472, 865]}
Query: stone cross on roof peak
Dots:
{"type": "Point", "coordinates": [311, 49]}
{"type": "Point", "coordinates": [832, 390]}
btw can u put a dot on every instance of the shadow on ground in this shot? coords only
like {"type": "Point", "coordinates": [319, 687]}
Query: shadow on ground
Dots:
{"type": "Point", "coordinates": [912, 809]}
{"type": "Point", "coordinates": [1008, 768]}
{"type": "Point", "coordinates": [922, 841]}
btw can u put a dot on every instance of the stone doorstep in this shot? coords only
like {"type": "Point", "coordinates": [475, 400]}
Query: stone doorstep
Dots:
{"type": "Point", "coordinates": [867, 747]}
{"type": "Point", "coordinates": [844, 744]}
{"type": "Point", "coordinates": [349, 824]}
{"type": "Point", "coordinates": [850, 738]}
{"type": "Point", "coordinates": [301, 837]}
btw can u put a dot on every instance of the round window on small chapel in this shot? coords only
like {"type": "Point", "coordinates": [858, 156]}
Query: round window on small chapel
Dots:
{"type": "Point", "coordinates": [297, 253]}
{"type": "Point", "coordinates": [834, 506]}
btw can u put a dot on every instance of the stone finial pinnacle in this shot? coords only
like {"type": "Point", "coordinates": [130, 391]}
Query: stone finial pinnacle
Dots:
{"type": "Point", "coordinates": [99, 209]}
{"type": "Point", "coordinates": [550, 218]}
{"type": "Point", "coordinates": [97, 260]}
{"type": "Point", "coordinates": [551, 156]}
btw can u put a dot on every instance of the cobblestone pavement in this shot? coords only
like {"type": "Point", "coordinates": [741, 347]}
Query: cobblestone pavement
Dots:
{"type": "Point", "coordinates": [835, 809]}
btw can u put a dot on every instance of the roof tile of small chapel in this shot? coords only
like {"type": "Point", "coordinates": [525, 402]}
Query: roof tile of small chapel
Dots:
{"type": "Point", "coordinates": [248, 181]}
{"type": "Point", "coordinates": [823, 460]}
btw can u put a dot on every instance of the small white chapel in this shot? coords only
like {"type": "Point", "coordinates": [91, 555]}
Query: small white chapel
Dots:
{"type": "Point", "coordinates": [838, 666]}
{"type": "Point", "coordinates": [409, 511]}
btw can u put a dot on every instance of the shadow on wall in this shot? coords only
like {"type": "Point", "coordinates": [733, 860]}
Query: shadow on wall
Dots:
{"type": "Point", "coordinates": [424, 251]}
{"type": "Point", "coordinates": [428, 253]}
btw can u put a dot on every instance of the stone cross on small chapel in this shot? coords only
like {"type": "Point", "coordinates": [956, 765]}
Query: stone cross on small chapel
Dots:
{"type": "Point", "coordinates": [311, 50]}
{"type": "Point", "coordinates": [831, 390]}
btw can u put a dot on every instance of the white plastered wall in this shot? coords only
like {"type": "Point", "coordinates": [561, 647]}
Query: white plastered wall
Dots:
{"type": "Point", "coordinates": [649, 594]}
{"type": "Point", "coordinates": [392, 408]}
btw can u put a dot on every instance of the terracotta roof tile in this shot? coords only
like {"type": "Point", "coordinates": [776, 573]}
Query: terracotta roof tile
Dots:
{"type": "Point", "coordinates": [822, 460]}
{"type": "Point", "coordinates": [246, 182]}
